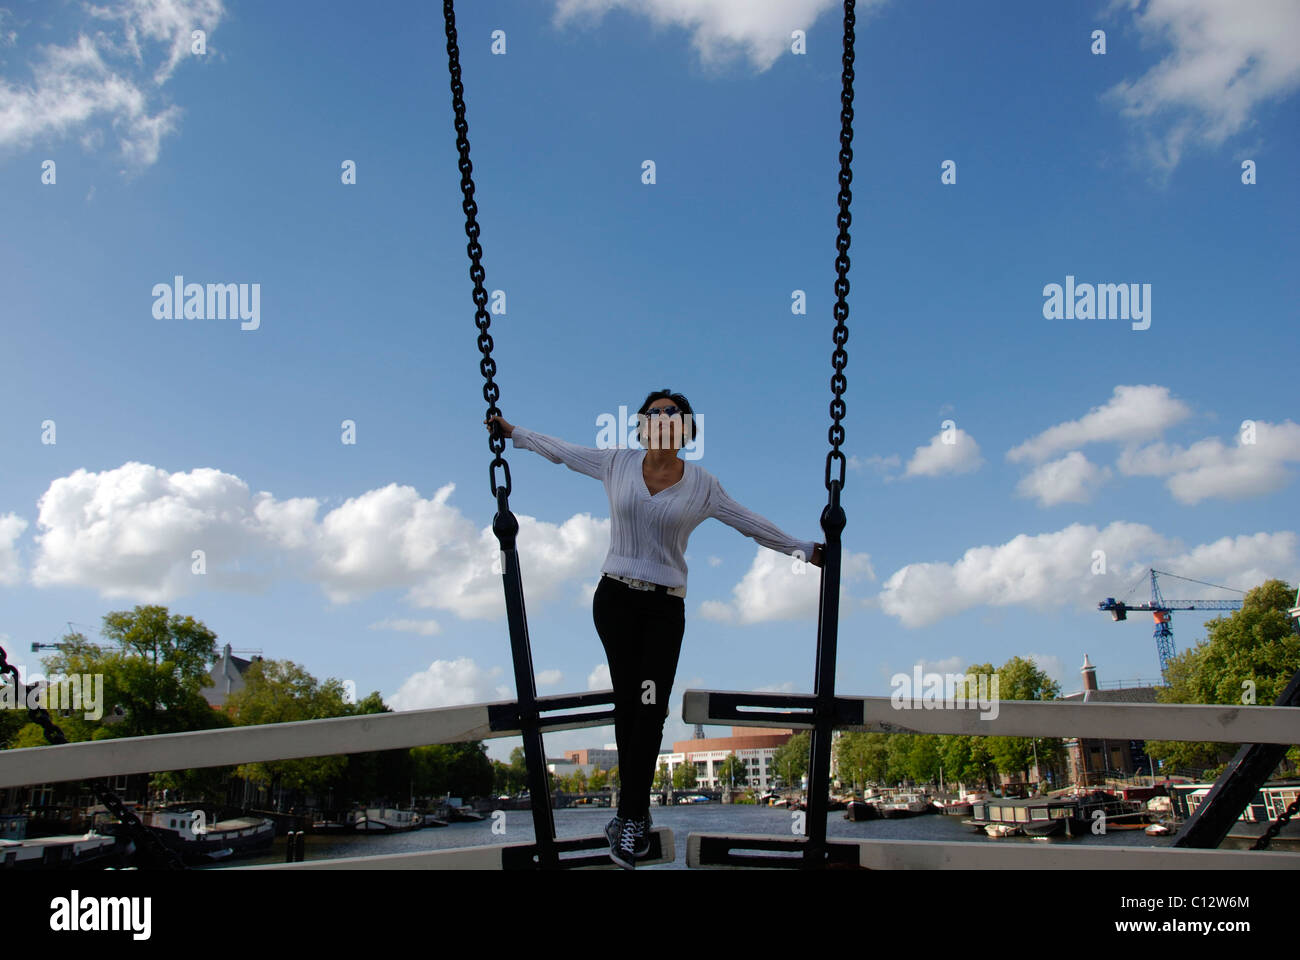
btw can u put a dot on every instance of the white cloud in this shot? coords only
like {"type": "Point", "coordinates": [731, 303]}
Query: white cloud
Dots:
{"type": "Point", "coordinates": [1071, 479]}
{"type": "Point", "coordinates": [447, 683]}
{"type": "Point", "coordinates": [425, 628]}
{"type": "Point", "coordinates": [11, 528]}
{"type": "Point", "coordinates": [882, 466]}
{"type": "Point", "coordinates": [1241, 562]}
{"type": "Point", "coordinates": [961, 455]}
{"type": "Point", "coordinates": [771, 590]}
{"type": "Point", "coordinates": [599, 678]}
{"type": "Point", "coordinates": [1051, 665]}
{"type": "Point", "coordinates": [548, 678]}
{"type": "Point", "coordinates": [131, 531]}
{"type": "Point", "coordinates": [1226, 59]}
{"type": "Point", "coordinates": [104, 79]}
{"type": "Point", "coordinates": [1053, 569]}
{"type": "Point", "coordinates": [720, 29]}
{"type": "Point", "coordinates": [1210, 468]}
{"type": "Point", "coordinates": [1132, 413]}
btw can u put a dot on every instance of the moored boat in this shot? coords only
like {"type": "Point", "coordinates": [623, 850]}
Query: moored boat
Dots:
{"type": "Point", "coordinates": [1077, 814]}
{"type": "Point", "coordinates": [904, 805]}
{"type": "Point", "coordinates": [186, 829]}
{"type": "Point", "coordinates": [859, 810]}
{"type": "Point", "coordinates": [385, 820]}
{"type": "Point", "coordinates": [1263, 811]}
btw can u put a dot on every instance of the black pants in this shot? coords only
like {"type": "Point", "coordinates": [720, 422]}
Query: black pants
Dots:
{"type": "Point", "coordinates": [642, 633]}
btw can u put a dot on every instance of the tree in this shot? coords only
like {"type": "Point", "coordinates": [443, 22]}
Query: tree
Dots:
{"type": "Point", "coordinates": [280, 691]}
{"type": "Point", "coordinates": [1253, 652]}
{"type": "Point", "coordinates": [733, 771]}
{"type": "Point", "coordinates": [685, 776]}
{"type": "Point", "coordinates": [791, 759]}
{"type": "Point", "coordinates": [662, 777]}
{"type": "Point", "coordinates": [155, 675]}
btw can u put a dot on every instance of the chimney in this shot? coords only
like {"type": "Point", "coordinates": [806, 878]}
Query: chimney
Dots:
{"type": "Point", "coordinates": [1089, 675]}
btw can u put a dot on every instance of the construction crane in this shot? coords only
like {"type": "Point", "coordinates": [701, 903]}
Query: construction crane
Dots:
{"type": "Point", "coordinates": [1161, 612]}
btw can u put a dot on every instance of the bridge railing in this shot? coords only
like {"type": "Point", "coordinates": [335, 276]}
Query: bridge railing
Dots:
{"type": "Point", "coordinates": [412, 728]}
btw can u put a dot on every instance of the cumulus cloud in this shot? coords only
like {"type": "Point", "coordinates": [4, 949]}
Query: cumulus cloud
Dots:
{"type": "Point", "coordinates": [131, 532]}
{"type": "Point", "coordinates": [1255, 464]}
{"type": "Point", "coordinates": [772, 590]}
{"type": "Point", "coordinates": [877, 464]}
{"type": "Point", "coordinates": [949, 451]}
{"type": "Point", "coordinates": [1071, 479]}
{"type": "Point", "coordinates": [448, 682]}
{"type": "Point", "coordinates": [1133, 413]}
{"type": "Point", "coordinates": [599, 678]}
{"type": "Point", "coordinates": [11, 528]}
{"type": "Point", "coordinates": [425, 628]}
{"type": "Point", "coordinates": [1224, 61]}
{"type": "Point", "coordinates": [1241, 562]}
{"type": "Point", "coordinates": [1053, 569]}
{"type": "Point", "coordinates": [106, 78]}
{"type": "Point", "coordinates": [721, 29]}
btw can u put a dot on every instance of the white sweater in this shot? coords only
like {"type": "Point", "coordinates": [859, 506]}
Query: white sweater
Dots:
{"type": "Point", "coordinates": [648, 534]}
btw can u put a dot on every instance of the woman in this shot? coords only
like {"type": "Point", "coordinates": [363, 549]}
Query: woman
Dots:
{"type": "Point", "coordinates": [656, 499]}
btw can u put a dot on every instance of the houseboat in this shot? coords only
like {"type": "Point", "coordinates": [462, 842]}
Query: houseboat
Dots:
{"type": "Point", "coordinates": [1267, 805]}
{"type": "Point", "coordinates": [385, 820]}
{"type": "Point", "coordinates": [202, 840]}
{"type": "Point", "coordinates": [20, 852]}
{"type": "Point", "coordinates": [904, 805]}
{"type": "Point", "coordinates": [1070, 816]}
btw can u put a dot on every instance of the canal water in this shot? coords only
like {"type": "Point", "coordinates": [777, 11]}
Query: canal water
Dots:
{"type": "Point", "coordinates": [681, 819]}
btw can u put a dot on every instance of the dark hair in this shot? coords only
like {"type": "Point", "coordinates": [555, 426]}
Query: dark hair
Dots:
{"type": "Point", "coordinates": [688, 415]}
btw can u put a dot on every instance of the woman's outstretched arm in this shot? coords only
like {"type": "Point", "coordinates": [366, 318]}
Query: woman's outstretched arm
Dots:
{"type": "Point", "coordinates": [591, 461]}
{"type": "Point", "coordinates": [722, 507]}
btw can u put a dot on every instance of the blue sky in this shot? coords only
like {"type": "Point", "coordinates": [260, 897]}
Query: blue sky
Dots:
{"type": "Point", "coordinates": [371, 561]}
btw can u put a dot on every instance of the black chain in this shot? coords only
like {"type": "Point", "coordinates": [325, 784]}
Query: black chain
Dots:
{"type": "Point", "coordinates": [145, 840]}
{"type": "Point", "coordinates": [491, 392]}
{"type": "Point", "coordinates": [1276, 826]}
{"type": "Point", "coordinates": [840, 358]}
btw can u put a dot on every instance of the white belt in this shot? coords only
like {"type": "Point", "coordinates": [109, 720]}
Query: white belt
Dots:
{"type": "Point", "coordinates": [647, 585]}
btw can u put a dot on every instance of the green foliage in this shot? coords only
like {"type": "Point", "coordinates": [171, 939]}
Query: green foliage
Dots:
{"type": "Point", "coordinates": [155, 676]}
{"type": "Point", "coordinates": [733, 770]}
{"type": "Point", "coordinates": [685, 776]}
{"type": "Point", "coordinates": [280, 691]}
{"type": "Point", "coordinates": [1255, 646]}
{"type": "Point", "coordinates": [791, 759]}
{"type": "Point", "coordinates": [662, 777]}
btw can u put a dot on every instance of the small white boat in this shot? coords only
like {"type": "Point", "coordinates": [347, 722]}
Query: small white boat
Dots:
{"type": "Point", "coordinates": [1001, 830]}
{"type": "Point", "coordinates": [1157, 830]}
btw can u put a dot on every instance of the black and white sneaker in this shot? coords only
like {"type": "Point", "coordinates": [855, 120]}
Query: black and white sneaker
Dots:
{"type": "Point", "coordinates": [642, 828]}
{"type": "Point", "coordinates": [623, 852]}
{"type": "Point", "coordinates": [613, 829]}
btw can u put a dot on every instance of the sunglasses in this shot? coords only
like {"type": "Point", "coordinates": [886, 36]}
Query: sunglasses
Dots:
{"type": "Point", "coordinates": [665, 411]}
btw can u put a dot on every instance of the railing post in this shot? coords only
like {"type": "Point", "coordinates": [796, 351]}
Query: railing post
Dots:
{"type": "Point", "coordinates": [506, 528]}
{"type": "Point", "coordinates": [828, 618]}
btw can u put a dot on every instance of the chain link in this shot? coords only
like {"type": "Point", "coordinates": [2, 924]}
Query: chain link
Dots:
{"type": "Point", "coordinates": [840, 357]}
{"type": "Point", "coordinates": [145, 840]}
{"type": "Point", "coordinates": [1276, 826]}
{"type": "Point", "coordinates": [491, 392]}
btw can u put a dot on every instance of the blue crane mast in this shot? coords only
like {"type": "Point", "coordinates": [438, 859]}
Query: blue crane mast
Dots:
{"type": "Point", "coordinates": [1161, 612]}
